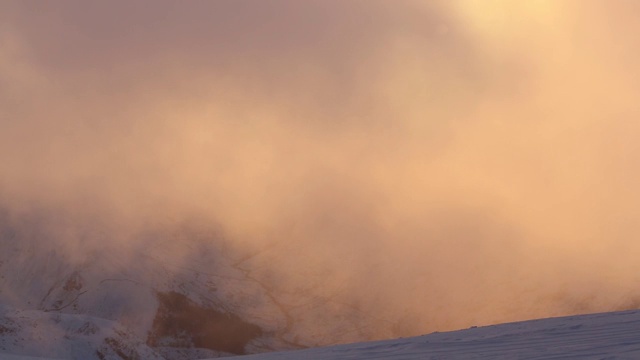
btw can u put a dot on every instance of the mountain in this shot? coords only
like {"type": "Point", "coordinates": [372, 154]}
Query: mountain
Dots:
{"type": "Point", "coordinates": [596, 336]}
{"type": "Point", "coordinates": [175, 293]}
{"type": "Point", "coordinates": [587, 337]}
{"type": "Point", "coordinates": [182, 292]}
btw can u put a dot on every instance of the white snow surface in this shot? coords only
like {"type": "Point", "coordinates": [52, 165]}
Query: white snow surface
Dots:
{"type": "Point", "coordinates": [608, 336]}
{"type": "Point", "coordinates": [34, 334]}
{"type": "Point", "coordinates": [20, 357]}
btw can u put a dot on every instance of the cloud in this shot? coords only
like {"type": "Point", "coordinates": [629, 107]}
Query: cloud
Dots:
{"type": "Point", "coordinates": [435, 164]}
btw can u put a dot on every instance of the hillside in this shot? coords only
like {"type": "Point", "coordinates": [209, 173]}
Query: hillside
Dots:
{"type": "Point", "coordinates": [598, 336]}
{"type": "Point", "coordinates": [180, 297]}
{"type": "Point", "coordinates": [609, 336]}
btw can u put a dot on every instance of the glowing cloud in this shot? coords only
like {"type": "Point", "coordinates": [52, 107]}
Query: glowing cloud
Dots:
{"type": "Point", "coordinates": [418, 166]}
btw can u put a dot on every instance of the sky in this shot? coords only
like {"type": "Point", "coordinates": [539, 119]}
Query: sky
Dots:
{"type": "Point", "coordinates": [431, 164]}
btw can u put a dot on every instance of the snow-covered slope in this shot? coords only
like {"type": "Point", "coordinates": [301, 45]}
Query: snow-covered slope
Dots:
{"type": "Point", "coordinates": [67, 336]}
{"type": "Point", "coordinates": [176, 293]}
{"type": "Point", "coordinates": [21, 357]}
{"type": "Point", "coordinates": [609, 336]}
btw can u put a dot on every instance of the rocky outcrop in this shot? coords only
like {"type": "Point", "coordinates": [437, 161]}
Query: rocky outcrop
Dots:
{"type": "Point", "coordinates": [180, 322]}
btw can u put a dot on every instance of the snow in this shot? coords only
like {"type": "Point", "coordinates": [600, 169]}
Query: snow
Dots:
{"type": "Point", "coordinates": [50, 293]}
{"type": "Point", "coordinates": [20, 357]}
{"type": "Point", "coordinates": [65, 336]}
{"type": "Point", "coordinates": [598, 336]}
{"type": "Point", "coordinates": [53, 306]}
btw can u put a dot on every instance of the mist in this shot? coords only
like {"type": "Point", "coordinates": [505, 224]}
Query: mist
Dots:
{"type": "Point", "coordinates": [416, 166]}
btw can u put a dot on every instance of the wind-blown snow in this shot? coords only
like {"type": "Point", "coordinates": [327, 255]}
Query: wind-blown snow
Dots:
{"type": "Point", "coordinates": [599, 336]}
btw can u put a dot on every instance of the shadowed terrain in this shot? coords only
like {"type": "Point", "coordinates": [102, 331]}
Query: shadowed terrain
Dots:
{"type": "Point", "coordinates": [180, 322]}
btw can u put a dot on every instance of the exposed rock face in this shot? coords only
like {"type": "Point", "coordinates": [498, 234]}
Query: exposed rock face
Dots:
{"type": "Point", "coordinates": [180, 322]}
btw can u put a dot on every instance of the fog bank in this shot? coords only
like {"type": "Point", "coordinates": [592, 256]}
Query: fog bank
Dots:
{"type": "Point", "coordinates": [414, 165]}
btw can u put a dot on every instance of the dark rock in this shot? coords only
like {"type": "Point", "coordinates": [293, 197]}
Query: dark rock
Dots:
{"type": "Point", "coordinates": [180, 322]}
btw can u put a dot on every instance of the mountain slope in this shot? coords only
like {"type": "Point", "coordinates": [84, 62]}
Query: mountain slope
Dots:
{"type": "Point", "coordinates": [178, 293]}
{"type": "Point", "coordinates": [67, 336]}
{"type": "Point", "coordinates": [613, 335]}
{"type": "Point", "coordinates": [175, 293]}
